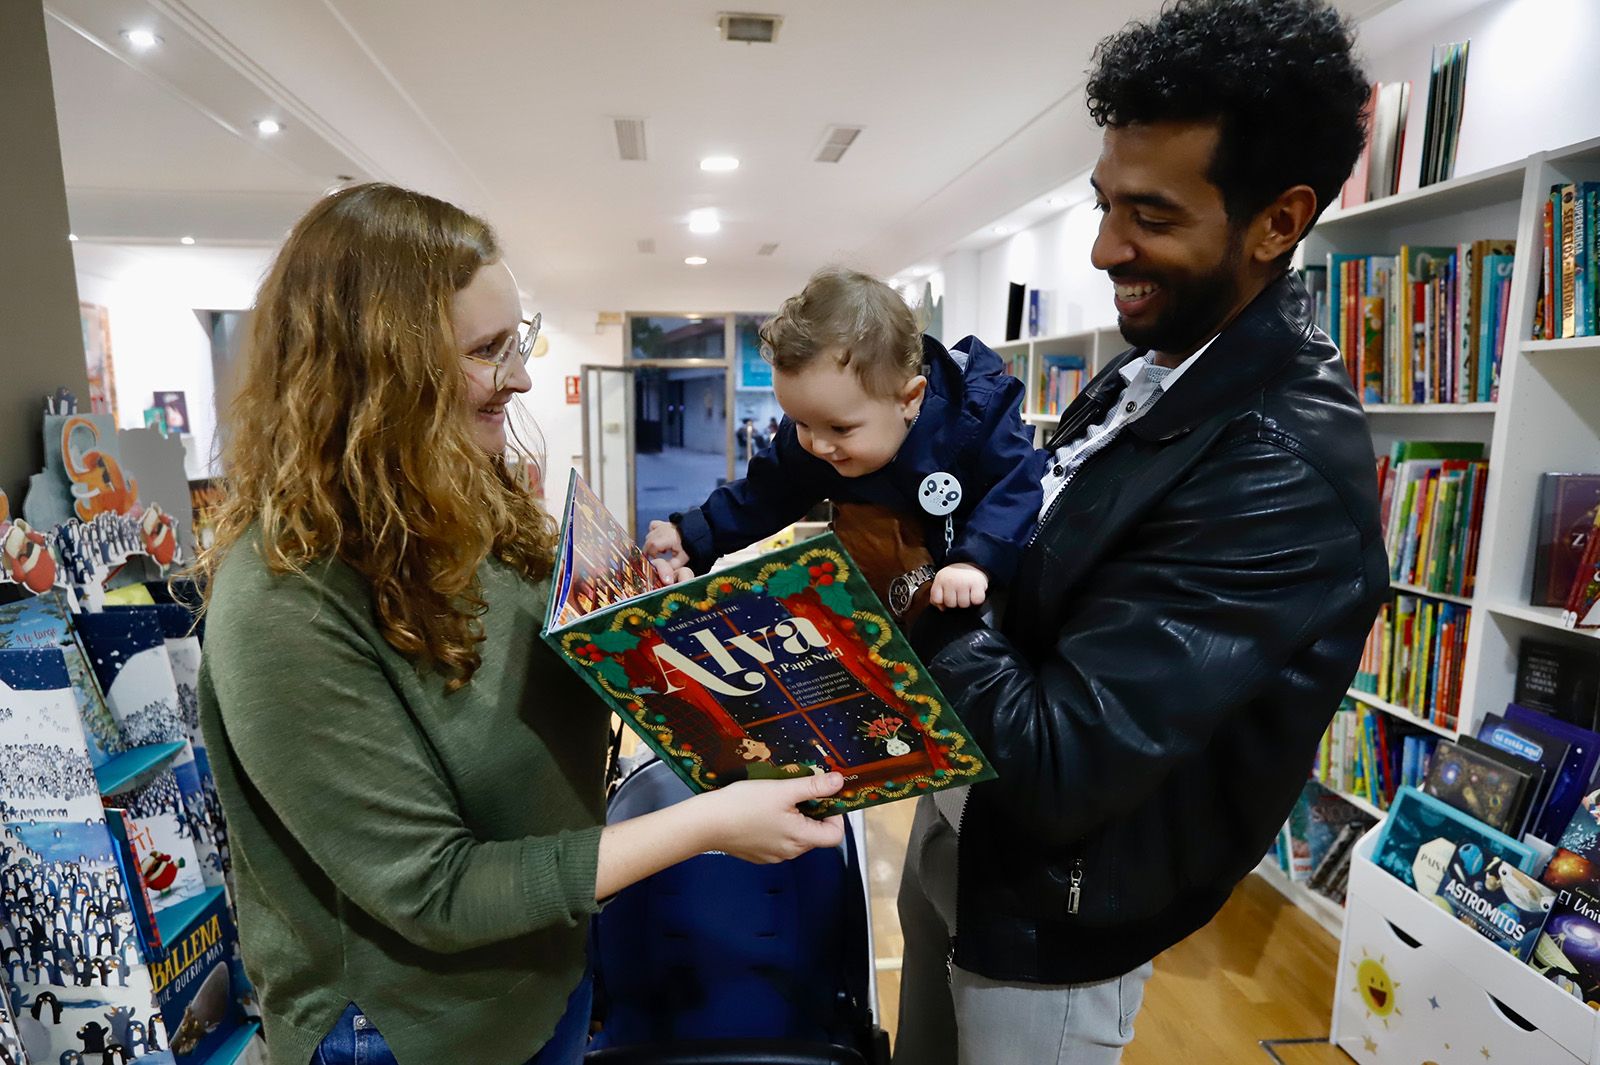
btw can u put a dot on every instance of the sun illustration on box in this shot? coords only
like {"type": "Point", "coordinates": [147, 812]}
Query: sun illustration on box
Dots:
{"type": "Point", "coordinates": [1376, 989]}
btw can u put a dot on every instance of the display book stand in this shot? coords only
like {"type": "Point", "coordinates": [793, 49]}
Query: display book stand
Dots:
{"type": "Point", "coordinates": [1453, 996]}
{"type": "Point", "coordinates": [117, 939]}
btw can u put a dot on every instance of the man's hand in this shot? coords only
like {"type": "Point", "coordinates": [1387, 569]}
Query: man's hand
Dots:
{"type": "Point", "coordinates": [663, 546]}
{"type": "Point", "coordinates": [959, 584]}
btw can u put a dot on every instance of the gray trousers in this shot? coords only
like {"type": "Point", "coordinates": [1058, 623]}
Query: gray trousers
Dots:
{"type": "Point", "coordinates": [953, 1017]}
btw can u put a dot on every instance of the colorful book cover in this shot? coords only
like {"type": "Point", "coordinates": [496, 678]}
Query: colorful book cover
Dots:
{"type": "Point", "coordinates": [1568, 311]}
{"type": "Point", "coordinates": [781, 666]}
{"type": "Point", "coordinates": [199, 984]}
{"type": "Point", "coordinates": [1572, 780]}
{"type": "Point", "coordinates": [1548, 752]}
{"type": "Point", "coordinates": [1421, 834]}
{"type": "Point", "coordinates": [1569, 507]}
{"type": "Point", "coordinates": [1568, 952]}
{"type": "Point", "coordinates": [1582, 610]}
{"type": "Point", "coordinates": [140, 905]}
{"type": "Point", "coordinates": [11, 1049]}
{"type": "Point", "coordinates": [1496, 899]}
{"type": "Point", "coordinates": [1476, 784]}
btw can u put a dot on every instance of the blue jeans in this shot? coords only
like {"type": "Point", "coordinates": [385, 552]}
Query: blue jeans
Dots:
{"type": "Point", "coordinates": [353, 1040]}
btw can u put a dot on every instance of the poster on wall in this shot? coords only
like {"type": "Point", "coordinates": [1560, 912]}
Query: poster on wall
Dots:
{"type": "Point", "coordinates": [96, 325]}
{"type": "Point", "coordinates": [755, 372]}
{"type": "Point", "coordinates": [176, 407]}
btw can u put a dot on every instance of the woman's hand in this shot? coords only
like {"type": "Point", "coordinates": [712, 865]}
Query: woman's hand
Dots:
{"type": "Point", "coordinates": [760, 820]}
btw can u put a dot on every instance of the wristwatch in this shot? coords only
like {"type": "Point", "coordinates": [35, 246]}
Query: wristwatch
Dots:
{"type": "Point", "coordinates": [904, 588]}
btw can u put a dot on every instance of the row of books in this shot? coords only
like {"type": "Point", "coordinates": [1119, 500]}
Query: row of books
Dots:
{"type": "Point", "coordinates": [1061, 378]}
{"type": "Point", "coordinates": [1414, 655]}
{"type": "Point", "coordinates": [1377, 170]}
{"type": "Point", "coordinates": [1431, 505]}
{"type": "Point", "coordinates": [1425, 325]}
{"type": "Point", "coordinates": [1475, 839]}
{"type": "Point", "coordinates": [1566, 551]}
{"type": "Point", "coordinates": [1371, 755]}
{"type": "Point", "coordinates": [1569, 274]}
{"type": "Point", "coordinates": [1016, 364]}
{"type": "Point", "coordinates": [1316, 841]}
{"type": "Point", "coordinates": [1447, 91]}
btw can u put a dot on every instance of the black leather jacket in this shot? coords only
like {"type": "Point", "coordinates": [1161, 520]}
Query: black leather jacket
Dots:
{"type": "Point", "coordinates": [1178, 637]}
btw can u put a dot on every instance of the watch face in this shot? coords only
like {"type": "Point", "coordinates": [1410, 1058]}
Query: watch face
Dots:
{"type": "Point", "coordinates": [900, 595]}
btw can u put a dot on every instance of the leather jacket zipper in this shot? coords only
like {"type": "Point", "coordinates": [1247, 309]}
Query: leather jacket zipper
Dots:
{"type": "Point", "coordinates": [950, 955]}
{"type": "Point", "coordinates": [1075, 888]}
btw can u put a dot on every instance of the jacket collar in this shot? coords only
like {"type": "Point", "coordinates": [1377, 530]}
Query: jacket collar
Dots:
{"type": "Point", "coordinates": [1253, 347]}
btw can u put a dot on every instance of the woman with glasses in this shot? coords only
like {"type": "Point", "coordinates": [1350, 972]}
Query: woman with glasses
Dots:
{"type": "Point", "coordinates": [413, 781]}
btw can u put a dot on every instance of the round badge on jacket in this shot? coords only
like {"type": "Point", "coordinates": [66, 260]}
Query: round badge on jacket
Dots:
{"type": "Point", "coordinates": [940, 494]}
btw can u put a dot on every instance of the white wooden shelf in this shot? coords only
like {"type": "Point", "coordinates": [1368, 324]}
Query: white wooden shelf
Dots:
{"type": "Point", "coordinates": [1323, 910]}
{"type": "Point", "coordinates": [1430, 408]}
{"type": "Point", "coordinates": [1548, 616]}
{"type": "Point", "coordinates": [1041, 419]}
{"type": "Point", "coordinates": [1535, 347]}
{"type": "Point", "coordinates": [1396, 710]}
{"type": "Point", "coordinates": [1456, 196]}
{"type": "Point", "coordinates": [1412, 589]}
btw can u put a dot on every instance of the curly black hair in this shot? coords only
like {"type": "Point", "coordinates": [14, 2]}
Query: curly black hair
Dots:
{"type": "Point", "coordinates": [1279, 76]}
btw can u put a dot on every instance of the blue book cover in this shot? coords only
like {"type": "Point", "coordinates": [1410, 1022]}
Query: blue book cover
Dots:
{"type": "Point", "coordinates": [1572, 780]}
{"type": "Point", "coordinates": [1500, 902]}
{"type": "Point", "coordinates": [1546, 751]}
{"type": "Point", "coordinates": [1568, 953]}
{"type": "Point", "coordinates": [199, 983]}
{"type": "Point", "coordinates": [1421, 834]}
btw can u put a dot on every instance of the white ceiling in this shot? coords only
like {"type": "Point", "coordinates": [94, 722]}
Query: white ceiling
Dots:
{"type": "Point", "coordinates": [971, 110]}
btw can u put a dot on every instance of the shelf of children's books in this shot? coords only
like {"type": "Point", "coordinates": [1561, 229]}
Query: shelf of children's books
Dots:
{"type": "Point", "coordinates": [1501, 184]}
{"type": "Point", "coordinates": [1412, 589]}
{"type": "Point", "coordinates": [1536, 347]}
{"type": "Point", "coordinates": [1402, 713]}
{"type": "Point", "coordinates": [1431, 408]}
{"type": "Point", "coordinates": [1320, 908]}
{"type": "Point", "coordinates": [234, 1048]}
{"type": "Point", "coordinates": [1364, 805]}
{"type": "Point", "coordinates": [174, 921]}
{"type": "Point", "coordinates": [127, 767]}
{"type": "Point", "coordinates": [1548, 616]}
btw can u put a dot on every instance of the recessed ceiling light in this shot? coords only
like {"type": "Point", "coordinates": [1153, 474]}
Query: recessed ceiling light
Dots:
{"type": "Point", "coordinates": [717, 163]}
{"type": "Point", "coordinates": [704, 220]}
{"type": "Point", "coordinates": [695, 260]}
{"type": "Point", "coordinates": [1002, 230]}
{"type": "Point", "coordinates": [185, 240]}
{"type": "Point", "coordinates": [1055, 201]}
{"type": "Point", "coordinates": [72, 236]}
{"type": "Point", "coordinates": [268, 126]}
{"type": "Point", "coordinates": [141, 39]}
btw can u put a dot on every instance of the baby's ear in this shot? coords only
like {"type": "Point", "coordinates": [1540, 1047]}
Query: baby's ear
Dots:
{"type": "Point", "coordinates": [911, 395]}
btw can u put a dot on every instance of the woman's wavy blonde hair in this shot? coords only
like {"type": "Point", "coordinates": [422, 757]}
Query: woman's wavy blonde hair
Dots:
{"type": "Point", "coordinates": [349, 436]}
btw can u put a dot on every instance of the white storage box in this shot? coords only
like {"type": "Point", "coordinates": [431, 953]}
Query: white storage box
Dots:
{"type": "Point", "coordinates": [1415, 985]}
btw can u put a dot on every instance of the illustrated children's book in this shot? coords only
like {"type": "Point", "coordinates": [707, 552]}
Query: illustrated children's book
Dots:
{"type": "Point", "coordinates": [1421, 834]}
{"type": "Point", "coordinates": [781, 666]}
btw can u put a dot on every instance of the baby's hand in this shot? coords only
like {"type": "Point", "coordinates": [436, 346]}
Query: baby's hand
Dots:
{"type": "Point", "coordinates": [959, 584]}
{"type": "Point", "coordinates": [663, 546]}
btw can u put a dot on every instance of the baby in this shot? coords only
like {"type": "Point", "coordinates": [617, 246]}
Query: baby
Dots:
{"type": "Point", "coordinates": [873, 410]}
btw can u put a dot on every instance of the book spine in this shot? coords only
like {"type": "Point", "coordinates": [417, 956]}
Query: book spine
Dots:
{"type": "Point", "coordinates": [1585, 586]}
{"type": "Point", "coordinates": [1582, 297]}
{"type": "Point", "coordinates": [1569, 297]}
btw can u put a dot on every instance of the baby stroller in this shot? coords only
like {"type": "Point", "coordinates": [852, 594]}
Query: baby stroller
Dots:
{"type": "Point", "coordinates": [717, 961]}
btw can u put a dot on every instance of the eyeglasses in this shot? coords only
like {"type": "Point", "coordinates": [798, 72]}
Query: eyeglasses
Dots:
{"type": "Point", "coordinates": [519, 344]}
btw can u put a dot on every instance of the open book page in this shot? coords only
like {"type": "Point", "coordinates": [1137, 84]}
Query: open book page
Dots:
{"type": "Point", "coordinates": [600, 565]}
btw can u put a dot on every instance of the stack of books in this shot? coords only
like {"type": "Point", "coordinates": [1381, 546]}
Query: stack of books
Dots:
{"type": "Point", "coordinates": [1426, 325]}
{"type": "Point", "coordinates": [1447, 91]}
{"type": "Point", "coordinates": [1061, 378]}
{"type": "Point", "coordinates": [1371, 755]}
{"type": "Point", "coordinates": [1432, 497]}
{"type": "Point", "coordinates": [1569, 275]}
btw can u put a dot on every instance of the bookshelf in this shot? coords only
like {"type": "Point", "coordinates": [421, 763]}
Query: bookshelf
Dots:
{"type": "Point", "coordinates": [1096, 347]}
{"type": "Point", "coordinates": [1546, 417]}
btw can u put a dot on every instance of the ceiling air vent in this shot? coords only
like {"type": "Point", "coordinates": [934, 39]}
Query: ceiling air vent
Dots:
{"type": "Point", "coordinates": [748, 28]}
{"type": "Point", "coordinates": [836, 142]}
{"type": "Point", "coordinates": [647, 246]}
{"type": "Point", "coordinates": [767, 249]}
{"type": "Point", "coordinates": [630, 139]}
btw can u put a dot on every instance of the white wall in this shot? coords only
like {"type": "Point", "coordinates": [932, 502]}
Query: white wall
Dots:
{"type": "Point", "coordinates": [1532, 81]}
{"type": "Point", "coordinates": [575, 342]}
{"type": "Point", "coordinates": [157, 341]}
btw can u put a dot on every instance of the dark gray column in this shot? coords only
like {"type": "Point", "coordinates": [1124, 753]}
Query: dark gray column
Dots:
{"type": "Point", "coordinates": [41, 344]}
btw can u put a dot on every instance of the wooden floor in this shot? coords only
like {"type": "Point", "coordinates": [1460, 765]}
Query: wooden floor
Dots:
{"type": "Point", "coordinates": [1261, 970]}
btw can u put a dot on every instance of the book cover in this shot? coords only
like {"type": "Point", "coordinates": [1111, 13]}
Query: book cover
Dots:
{"type": "Point", "coordinates": [1496, 899]}
{"type": "Point", "coordinates": [1569, 505]}
{"type": "Point", "coordinates": [1534, 784]}
{"type": "Point", "coordinates": [199, 983]}
{"type": "Point", "coordinates": [1568, 951]}
{"type": "Point", "coordinates": [1548, 752]}
{"type": "Point", "coordinates": [1568, 311]}
{"type": "Point", "coordinates": [11, 1049]}
{"type": "Point", "coordinates": [1561, 680]}
{"type": "Point", "coordinates": [140, 906]}
{"type": "Point", "coordinates": [1475, 784]}
{"type": "Point", "coordinates": [1421, 834]}
{"type": "Point", "coordinates": [1572, 780]}
{"type": "Point", "coordinates": [781, 666]}
{"type": "Point", "coordinates": [1582, 610]}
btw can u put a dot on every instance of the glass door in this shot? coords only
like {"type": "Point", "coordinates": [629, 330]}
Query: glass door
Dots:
{"type": "Point", "coordinates": [608, 438]}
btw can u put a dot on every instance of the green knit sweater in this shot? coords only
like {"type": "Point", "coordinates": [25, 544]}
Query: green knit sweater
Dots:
{"type": "Point", "coordinates": [430, 857]}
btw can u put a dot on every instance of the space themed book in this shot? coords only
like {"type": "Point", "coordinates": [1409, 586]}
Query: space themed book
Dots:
{"type": "Point", "coordinates": [1476, 784]}
{"type": "Point", "coordinates": [1421, 834]}
{"type": "Point", "coordinates": [1492, 896]}
{"type": "Point", "coordinates": [780, 667]}
{"type": "Point", "coordinates": [1568, 951]}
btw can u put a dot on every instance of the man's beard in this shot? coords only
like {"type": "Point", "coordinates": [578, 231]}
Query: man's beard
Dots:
{"type": "Point", "coordinates": [1195, 307]}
